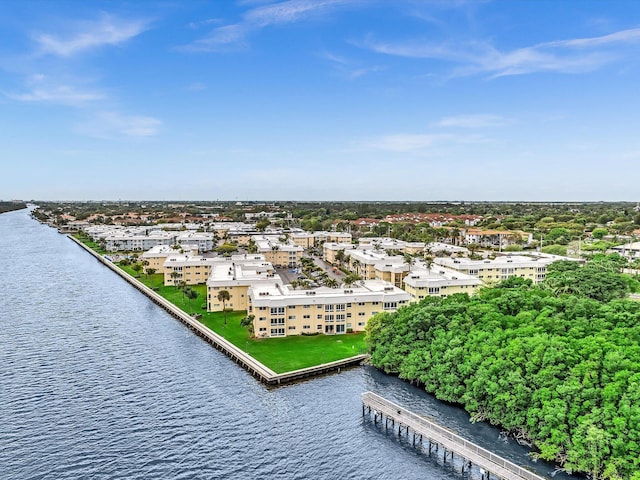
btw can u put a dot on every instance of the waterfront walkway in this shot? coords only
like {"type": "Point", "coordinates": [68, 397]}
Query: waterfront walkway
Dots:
{"type": "Point", "coordinates": [452, 444]}
{"type": "Point", "coordinates": [253, 366]}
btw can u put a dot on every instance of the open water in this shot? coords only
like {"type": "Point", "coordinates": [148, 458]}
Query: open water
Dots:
{"type": "Point", "coordinates": [96, 382]}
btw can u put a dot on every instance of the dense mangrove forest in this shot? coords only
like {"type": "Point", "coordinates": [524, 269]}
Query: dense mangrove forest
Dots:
{"type": "Point", "coordinates": [557, 365]}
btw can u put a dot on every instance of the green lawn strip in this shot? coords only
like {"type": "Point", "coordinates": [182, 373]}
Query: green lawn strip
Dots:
{"type": "Point", "coordinates": [89, 243]}
{"type": "Point", "coordinates": [279, 354]}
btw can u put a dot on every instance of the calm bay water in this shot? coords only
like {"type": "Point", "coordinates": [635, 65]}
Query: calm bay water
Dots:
{"type": "Point", "coordinates": [96, 382]}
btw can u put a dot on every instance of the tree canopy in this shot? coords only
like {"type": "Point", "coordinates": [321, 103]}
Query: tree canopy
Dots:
{"type": "Point", "coordinates": [557, 365]}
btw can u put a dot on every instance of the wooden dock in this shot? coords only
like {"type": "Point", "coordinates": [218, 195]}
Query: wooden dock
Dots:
{"type": "Point", "coordinates": [438, 437]}
{"type": "Point", "coordinates": [246, 361]}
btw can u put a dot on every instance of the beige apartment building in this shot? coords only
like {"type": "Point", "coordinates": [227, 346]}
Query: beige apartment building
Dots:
{"type": "Point", "coordinates": [280, 311]}
{"type": "Point", "coordinates": [438, 281]}
{"type": "Point", "coordinates": [384, 244]}
{"type": "Point", "coordinates": [371, 264]}
{"type": "Point", "coordinates": [308, 240]}
{"type": "Point", "coordinates": [190, 269]}
{"type": "Point", "coordinates": [236, 278]}
{"type": "Point", "coordinates": [279, 253]}
{"type": "Point", "coordinates": [157, 255]}
{"type": "Point", "coordinates": [501, 268]}
{"type": "Point", "coordinates": [330, 249]}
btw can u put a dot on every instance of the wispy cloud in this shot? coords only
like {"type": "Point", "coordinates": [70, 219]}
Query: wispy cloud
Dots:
{"type": "Point", "coordinates": [414, 142]}
{"type": "Point", "coordinates": [349, 68]}
{"type": "Point", "coordinates": [113, 124]}
{"type": "Point", "coordinates": [42, 90]}
{"type": "Point", "coordinates": [473, 121]}
{"type": "Point", "coordinates": [472, 58]}
{"type": "Point", "coordinates": [263, 16]}
{"type": "Point", "coordinates": [108, 30]}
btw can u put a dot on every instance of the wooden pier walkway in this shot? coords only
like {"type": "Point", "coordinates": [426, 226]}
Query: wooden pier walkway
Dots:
{"type": "Point", "coordinates": [246, 361]}
{"type": "Point", "coordinates": [437, 436]}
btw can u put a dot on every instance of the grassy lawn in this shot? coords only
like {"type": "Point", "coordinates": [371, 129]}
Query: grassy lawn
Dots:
{"type": "Point", "coordinates": [89, 243]}
{"type": "Point", "coordinates": [279, 354]}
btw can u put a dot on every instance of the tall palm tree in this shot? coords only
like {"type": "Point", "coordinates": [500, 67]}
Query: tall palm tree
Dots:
{"type": "Point", "coordinates": [223, 296]}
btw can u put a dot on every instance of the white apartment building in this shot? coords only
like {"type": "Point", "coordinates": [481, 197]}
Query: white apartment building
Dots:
{"type": "Point", "coordinates": [203, 241]}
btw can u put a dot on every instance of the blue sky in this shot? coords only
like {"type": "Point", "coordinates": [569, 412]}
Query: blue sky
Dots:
{"type": "Point", "coordinates": [320, 100]}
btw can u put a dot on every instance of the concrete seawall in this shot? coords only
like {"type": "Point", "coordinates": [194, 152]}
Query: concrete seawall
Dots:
{"type": "Point", "coordinates": [246, 361]}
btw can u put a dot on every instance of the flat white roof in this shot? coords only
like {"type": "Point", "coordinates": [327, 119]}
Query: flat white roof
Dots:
{"type": "Point", "coordinates": [366, 291]}
{"type": "Point", "coordinates": [439, 276]}
{"type": "Point", "coordinates": [507, 261]}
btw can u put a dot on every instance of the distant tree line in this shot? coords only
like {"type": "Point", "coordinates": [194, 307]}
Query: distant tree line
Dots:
{"type": "Point", "coordinates": [11, 206]}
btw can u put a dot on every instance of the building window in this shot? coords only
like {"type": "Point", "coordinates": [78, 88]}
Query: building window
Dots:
{"type": "Point", "coordinates": [319, 327]}
{"type": "Point", "coordinates": [277, 321]}
{"type": "Point", "coordinates": [319, 317]}
{"type": "Point", "coordinates": [340, 307]}
{"type": "Point", "coordinates": [361, 314]}
{"type": "Point", "coordinates": [277, 332]}
{"type": "Point", "coordinates": [262, 329]}
{"type": "Point", "coordinates": [277, 310]}
{"type": "Point", "coordinates": [292, 327]}
{"type": "Point", "coordinates": [390, 305]}
{"type": "Point", "coordinates": [306, 327]}
{"type": "Point", "coordinates": [306, 316]}
{"type": "Point", "coordinates": [328, 308]}
{"type": "Point", "coordinates": [434, 290]}
{"type": "Point", "coordinates": [291, 317]}
{"type": "Point", "coordinates": [328, 318]}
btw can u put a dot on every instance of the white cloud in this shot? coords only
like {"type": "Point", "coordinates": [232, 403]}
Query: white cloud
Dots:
{"type": "Point", "coordinates": [262, 16]}
{"type": "Point", "coordinates": [88, 35]}
{"type": "Point", "coordinates": [473, 121]}
{"type": "Point", "coordinates": [415, 142]}
{"type": "Point", "coordinates": [564, 56]}
{"type": "Point", "coordinates": [112, 124]}
{"type": "Point", "coordinates": [62, 94]}
{"type": "Point", "coordinates": [42, 90]}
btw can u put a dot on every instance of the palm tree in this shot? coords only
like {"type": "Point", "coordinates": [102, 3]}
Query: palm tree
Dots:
{"type": "Point", "coordinates": [150, 272]}
{"type": "Point", "coordinates": [331, 283]}
{"type": "Point", "coordinates": [223, 296]}
{"type": "Point", "coordinates": [356, 267]}
{"type": "Point", "coordinates": [182, 285]}
{"type": "Point", "coordinates": [191, 295]}
{"type": "Point", "coordinates": [428, 261]}
{"type": "Point", "coordinates": [350, 279]}
{"type": "Point", "coordinates": [248, 322]}
{"type": "Point", "coordinates": [175, 275]}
